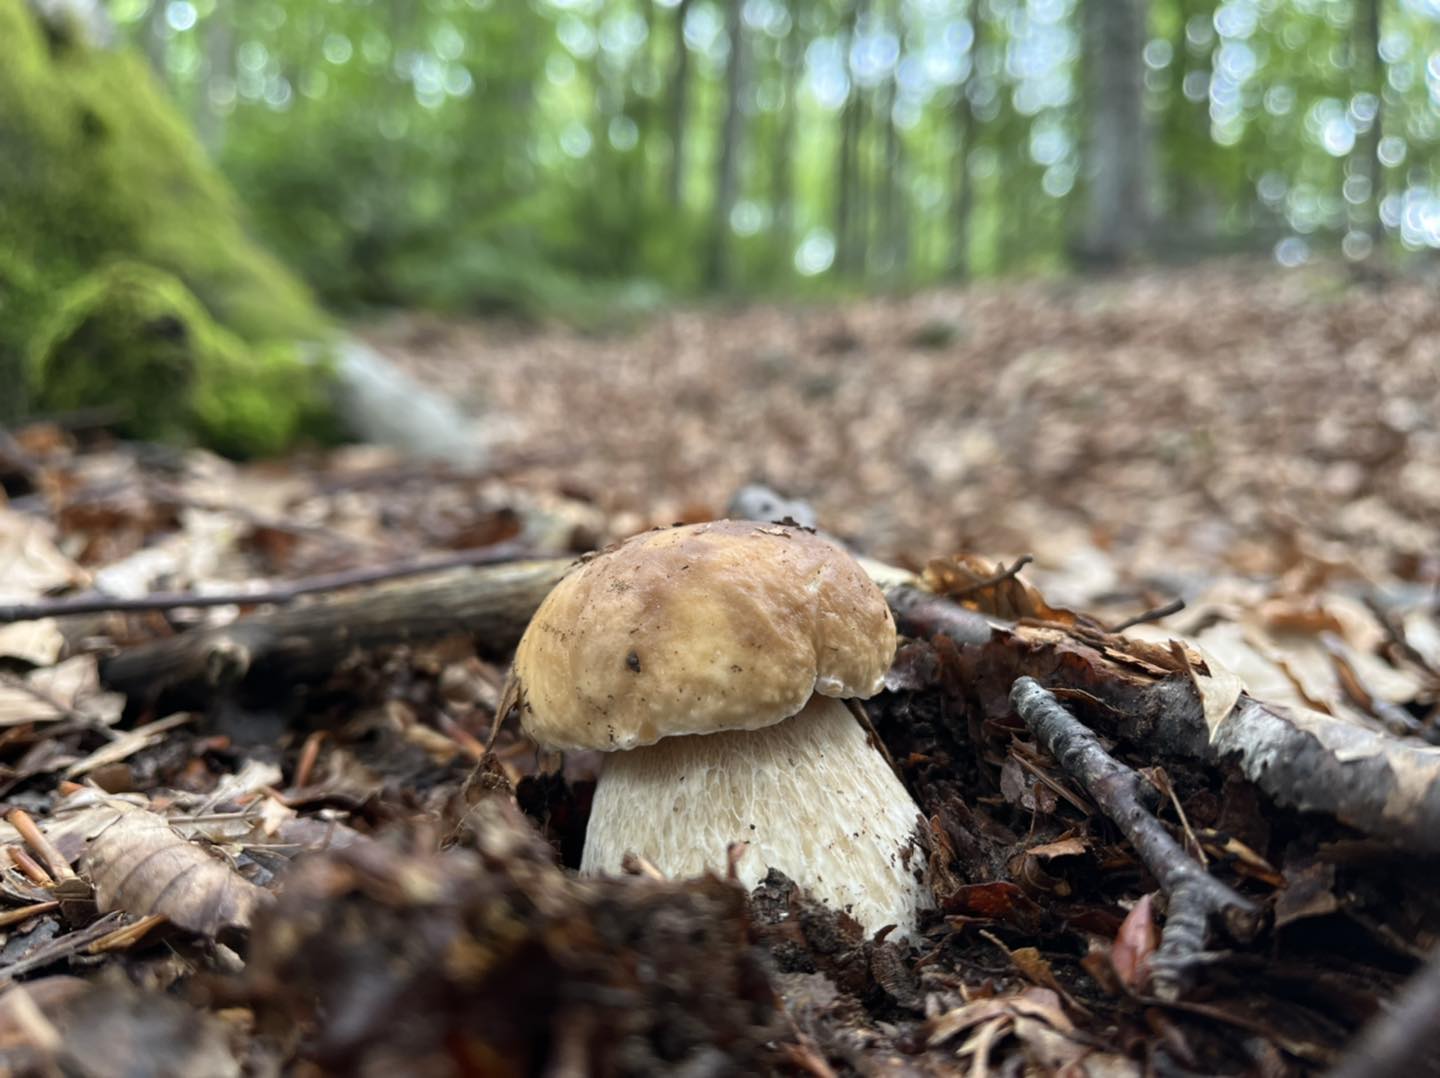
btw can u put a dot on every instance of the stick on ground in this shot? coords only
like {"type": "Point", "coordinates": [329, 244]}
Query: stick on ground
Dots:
{"type": "Point", "coordinates": [1194, 895]}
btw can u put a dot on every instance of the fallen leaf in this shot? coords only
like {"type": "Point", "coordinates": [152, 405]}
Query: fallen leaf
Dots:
{"type": "Point", "coordinates": [56, 692]}
{"type": "Point", "coordinates": [36, 642]}
{"type": "Point", "coordinates": [30, 563]}
{"type": "Point", "coordinates": [141, 865]}
{"type": "Point", "coordinates": [1134, 944]}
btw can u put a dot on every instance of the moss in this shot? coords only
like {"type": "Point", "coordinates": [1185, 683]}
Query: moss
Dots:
{"type": "Point", "coordinates": [136, 339]}
{"type": "Point", "coordinates": [99, 167]}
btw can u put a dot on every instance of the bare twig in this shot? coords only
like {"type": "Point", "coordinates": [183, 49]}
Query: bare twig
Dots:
{"type": "Point", "coordinates": [62, 947]}
{"type": "Point", "coordinates": [1174, 606]}
{"type": "Point", "coordinates": [309, 753]}
{"type": "Point", "coordinates": [1193, 894]}
{"type": "Point", "coordinates": [1005, 573]}
{"type": "Point", "coordinates": [37, 841]}
{"type": "Point", "coordinates": [278, 595]}
{"type": "Point", "coordinates": [23, 913]}
{"type": "Point", "coordinates": [125, 937]}
{"type": "Point", "coordinates": [31, 868]}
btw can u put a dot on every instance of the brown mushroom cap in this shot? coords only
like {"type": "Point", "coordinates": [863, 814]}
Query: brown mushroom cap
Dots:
{"type": "Point", "coordinates": [730, 625]}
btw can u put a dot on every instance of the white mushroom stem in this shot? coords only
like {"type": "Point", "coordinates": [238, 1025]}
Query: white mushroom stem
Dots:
{"type": "Point", "coordinates": [810, 795]}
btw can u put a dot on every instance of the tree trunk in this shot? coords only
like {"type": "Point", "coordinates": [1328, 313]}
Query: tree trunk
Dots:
{"type": "Point", "coordinates": [890, 187]}
{"type": "Point", "coordinates": [782, 177]}
{"type": "Point", "coordinates": [218, 36]}
{"type": "Point", "coordinates": [679, 108]}
{"type": "Point", "coordinates": [1115, 138]}
{"type": "Point", "coordinates": [847, 164]}
{"type": "Point", "coordinates": [1369, 78]}
{"type": "Point", "coordinates": [727, 165]}
{"type": "Point", "coordinates": [962, 199]}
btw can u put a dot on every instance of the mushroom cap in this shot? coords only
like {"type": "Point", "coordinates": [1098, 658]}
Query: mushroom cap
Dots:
{"type": "Point", "coordinates": [730, 625]}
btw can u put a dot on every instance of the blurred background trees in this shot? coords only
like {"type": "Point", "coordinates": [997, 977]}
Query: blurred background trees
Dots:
{"type": "Point", "coordinates": [466, 154]}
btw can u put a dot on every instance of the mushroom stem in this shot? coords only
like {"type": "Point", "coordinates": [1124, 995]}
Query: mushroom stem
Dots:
{"type": "Point", "coordinates": [810, 795]}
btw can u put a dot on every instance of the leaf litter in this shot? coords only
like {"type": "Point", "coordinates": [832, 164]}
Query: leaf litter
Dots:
{"type": "Point", "coordinates": [318, 874]}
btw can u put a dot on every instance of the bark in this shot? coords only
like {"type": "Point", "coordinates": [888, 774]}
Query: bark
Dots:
{"type": "Point", "coordinates": [1384, 786]}
{"type": "Point", "coordinates": [718, 271]}
{"type": "Point", "coordinates": [1194, 895]}
{"type": "Point", "coordinates": [1116, 143]}
{"type": "Point", "coordinates": [302, 645]}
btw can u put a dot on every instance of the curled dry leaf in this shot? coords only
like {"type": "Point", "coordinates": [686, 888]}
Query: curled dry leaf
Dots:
{"type": "Point", "coordinates": [1134, 944]}
{"type": "Point", "coordinates": [141, 865]}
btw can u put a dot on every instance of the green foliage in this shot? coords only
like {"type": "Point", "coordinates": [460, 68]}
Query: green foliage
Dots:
{"type": "Point", "coordinates": [136, 339]}
{"type": "Point", "coordinates": [474, 154]}
{"type": "Point", "coordinates": [99, 167]}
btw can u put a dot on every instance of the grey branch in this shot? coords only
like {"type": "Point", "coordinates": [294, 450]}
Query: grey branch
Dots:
{"type": "Point", "coordinates": [1194, 895]}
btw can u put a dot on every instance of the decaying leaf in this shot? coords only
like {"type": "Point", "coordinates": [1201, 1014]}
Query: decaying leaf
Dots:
{"type": "Point", "coordinates": [1134, 944]}
{"type": "Point", "coordinates": [141, 865]}
{"type": "Point", "coordinates": [990, 589]}
{"type": "Point", "coordinates": [55, 692]}
{"type": "Point", "coordinates": [30, 563]}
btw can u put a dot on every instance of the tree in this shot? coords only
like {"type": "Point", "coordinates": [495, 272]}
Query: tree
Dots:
{"type": "Point", "coordinates": [727, 161]}
{"type": "Point", "coordinates": [962, 197]}
{"type": "Point", "coordinates": [679, 107]}
{"type": "Point", "coordinates": [1116, 145]}
{"type": "Point", "coordinates": [1369, 77]}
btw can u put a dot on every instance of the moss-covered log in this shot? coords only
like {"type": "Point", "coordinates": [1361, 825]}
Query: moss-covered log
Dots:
{"type": "Point", "coordinates": [100, 168]}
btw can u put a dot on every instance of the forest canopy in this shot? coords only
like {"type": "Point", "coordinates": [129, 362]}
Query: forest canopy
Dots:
{"type": "Point", "coordinates": [464, 153]}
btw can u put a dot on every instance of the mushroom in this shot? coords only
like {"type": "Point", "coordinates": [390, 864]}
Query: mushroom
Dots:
{"type": "Point", "coordinates": [712, 662]}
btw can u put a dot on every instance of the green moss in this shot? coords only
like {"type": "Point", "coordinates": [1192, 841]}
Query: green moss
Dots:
{"type": "Point", "coordinates": [136, 339]}
{"type": "Point", "coordinates": [99, 167]}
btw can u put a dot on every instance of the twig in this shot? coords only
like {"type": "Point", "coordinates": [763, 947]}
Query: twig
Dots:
{"type": "Point", "coordinates": [32, 869]}
{"type": "Point", "coordinates": [60, 948]}
{"type": "Point", "coordinates": [1404, 1039]}
{"type": "Point", "coordinates": [862, 716]}
{"type": "Point", "coordinates": [1193, 894]}
{"type": "Point", "coordinates": [309, 753]}
{"type": "Point", "coordinates": [24, 913]}
{"type": "Point", "coordinates": [125, 937]}
{"type": "Point", "coordinates": [1174, 606]}
{"type": "Point", "coordinates": [1005, 573]}
{"type": "Point", "coordinates": [278, 595]}
{"type": "Point", "coordinates": [37, 841]}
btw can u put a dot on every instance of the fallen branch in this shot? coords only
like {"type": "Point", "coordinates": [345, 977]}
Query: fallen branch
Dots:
{"type": "Point", "coordinates": [1194, 895]}
{"type": "Point", "coordinates": [303, 644]}
{"type": "Point", "coordinates": [1381, 785]}
{"type": "Point", "coordinates": [278, 595]}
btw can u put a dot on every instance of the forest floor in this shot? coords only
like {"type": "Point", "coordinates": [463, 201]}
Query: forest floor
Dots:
{"type": "Point", "coordinates": [1136, 434]}
{"type": "Point", "coordinates": [1261, 445]}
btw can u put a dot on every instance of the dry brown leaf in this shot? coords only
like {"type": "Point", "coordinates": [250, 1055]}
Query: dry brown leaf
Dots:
{"type": "Point", "coordinates": [57, 692]}
{"type": "Point", "coordinates": [36, 642]}
{"type": "Point", "coordinates": [141, 865]}
{"type": "Point", "coordinates": [30, 563]}
{"type": "Point", "coordinates": [1134, 944]}
{"type": "Point", "coordinates": [1064, 847]}
{"type": "Point", "coordinates": [126, 745]}
{"type": "Point", "coordinates": [962, 577]}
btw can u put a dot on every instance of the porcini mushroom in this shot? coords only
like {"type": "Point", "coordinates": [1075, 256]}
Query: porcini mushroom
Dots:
{"type": "Point", "coordinates": [711, 662]}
